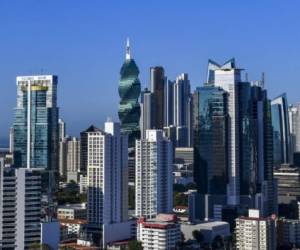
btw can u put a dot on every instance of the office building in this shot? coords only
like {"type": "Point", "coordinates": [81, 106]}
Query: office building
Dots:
{"type": "Point", "coordinates": [281, 130]}
{"type": "Point", "coordinates": [147, 112]}
{"type": "Point", "coordinates": [169, 103]}
{"type": "Point", "coordinates": [157, 86]}
{"type": "Point", "coordinates": [288, 183]}
{"type": "Point", "coordinates": [161, 232]}
{"type": "Point", "coordinates": [129, 91]}
{"type": "Point", "coordinates": [61, 129]}
{"type": "Point", "coordinates": [20, 207]}
{"type": "Point", "coordinates": [11, 140]}
{"type": "Point", "coordinates": [294, 122]}
{"type": "Point", "coordinates": [184, 166]}
{"type": "Point", "coordinates": [288, 233]}
{"type": "Point", "coordinates": [73, 159]}
{"type": "Point", "coordinates": [36, 123]}
{"type": "Point", "coordinates": [183, 111]}
{"type": "Point", "coordinates": [107, 175]}
{"type": "Point", "coordinates": [255, 232]}
{"type": "Point", "coordinates": [210, 140]}
{"type": "Point", "coordinates": [154, 181]}
{"type": "Point", "coordinates": [63, 157]}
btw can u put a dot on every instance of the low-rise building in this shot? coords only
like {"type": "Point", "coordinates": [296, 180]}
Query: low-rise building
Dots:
{"type": "Point", "coordinates": [209, 230]}
{"type": "Point", "coordinates": [73, 226]}
{"type": "Point", "coordinates": [72, 211]}
{"type": "Point", "coordinates": [163, 232]}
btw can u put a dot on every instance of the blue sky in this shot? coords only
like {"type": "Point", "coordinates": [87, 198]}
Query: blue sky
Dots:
{"type": "Point", "coordinates": [83, 43]}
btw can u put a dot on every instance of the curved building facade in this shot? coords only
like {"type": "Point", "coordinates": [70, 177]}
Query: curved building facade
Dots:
{"type": "Point", "coordinates": [129, 91]}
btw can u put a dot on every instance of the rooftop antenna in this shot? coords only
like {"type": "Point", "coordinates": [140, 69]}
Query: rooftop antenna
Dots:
{"type": "Point", "coordinates": [128, 50]}
{"type": "Point", "coordinates": [263, 80]}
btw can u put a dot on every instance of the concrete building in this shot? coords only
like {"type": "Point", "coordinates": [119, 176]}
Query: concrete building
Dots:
{"type": "Point", "coordinates": [254, 232]}
{"type": "Point", "coordinates": [73, 159]}
{"type": "Point", "coordinates": [72, 226]}
{"type": "Point", "coordinates": [154, 184]}
{"type": "Point", "coordinates": [107, 203]}
{"type": "Point", "coordinates": [209, 230]}
{"type": "Point", "coordinates": [72, 211]}
{"type": "Point", "coordinates": [20, 207]}
{"type": "Point", "coordinates": [160, 233]}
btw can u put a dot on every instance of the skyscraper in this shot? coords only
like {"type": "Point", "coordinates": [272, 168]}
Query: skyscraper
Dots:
{"type": "Point", "coordinates": [36, 123]}
{"type": "Point", "coordinates": [183, 110]}
{"type": "Point", "coordinates": [227, 77]}
{"type": "Point", "coordinates": [210, 140]}
{"type": "Point", "coordinates": [61, 129]}
{"type": "Point", "coordinates": [294, 122]}
{"type": "Point", "coordinates": [154, 180]}
{"type": "Point", "coordinates": [157, 83]}
{"type": "Point", "coordinates": [73, 159]}
{"type": "Point", "coordinates": [107, 175]}
{"type": "Point", "coordinates": [129, 91]}
{"type": "Point", "coordinates": [281, 127]}
{"type": "Point", "coordinates": [147, 112]}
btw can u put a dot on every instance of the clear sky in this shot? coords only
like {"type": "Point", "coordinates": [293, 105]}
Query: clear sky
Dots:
{"type": "Point", "coordinates": [82, 41]}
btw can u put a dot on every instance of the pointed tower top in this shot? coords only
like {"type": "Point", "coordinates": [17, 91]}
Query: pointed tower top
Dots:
{"type": "Point", "coordinates": [128, 52]}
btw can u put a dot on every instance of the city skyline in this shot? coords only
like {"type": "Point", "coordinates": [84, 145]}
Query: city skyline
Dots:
{"type": "Point", "coordinates": [96, 59]}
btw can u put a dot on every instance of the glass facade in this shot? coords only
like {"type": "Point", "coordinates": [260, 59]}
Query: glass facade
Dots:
{"type": "Point", "coordinates": [210, 140]}
{"type": "Point", "coordinates": [43, 124]}
{"type": "Point", "coordinates": [129, 107]}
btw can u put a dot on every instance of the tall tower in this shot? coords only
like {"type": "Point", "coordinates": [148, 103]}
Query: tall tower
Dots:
{"type": "Point", "coordinates": [36, 123]}
{"type": "Point", "coordinates": [153, 175]}
{"type": "Point", "coordinates": [157, 83]}
{"type": "Point", "coordinates": [129, 91]}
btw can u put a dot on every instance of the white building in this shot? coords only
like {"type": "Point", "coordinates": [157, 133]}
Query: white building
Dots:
{"type": "Point", "coordinates": [209, 230]}
{"type": "Point", "coordinates": [72, 211]}
{"type": "Point", "coordinates": [163, 232]}
{"type": "Point", "coordinates": [254, 232]}
{"type": "Point", "coordinates": [154, 180]}
{"type": "Point", "coordinates": [107, 176]}
{"type": "Point", "coordinates": [83, 184]}
{"type": "Point", "coordinates": [20, 207]}
{"type": "Point", "coordinates": [227, 77]}
{"type": "Point", "coordinates": [73, 159]}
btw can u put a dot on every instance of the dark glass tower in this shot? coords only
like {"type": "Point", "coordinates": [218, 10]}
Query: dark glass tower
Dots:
{"type": "Point", "coordinates": [210, 140]}
{"type": "Point", "coordinates": [157, 83]}
{"type": "Point", "coordinates": [129, 91]}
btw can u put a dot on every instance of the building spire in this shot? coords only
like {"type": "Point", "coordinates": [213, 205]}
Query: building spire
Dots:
{"type": "Point", "coordinates": [128, 52]}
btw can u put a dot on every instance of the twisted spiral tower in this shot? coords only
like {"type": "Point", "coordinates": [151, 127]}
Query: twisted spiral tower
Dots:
{"type": "Point", "coordinates": [129, 91]}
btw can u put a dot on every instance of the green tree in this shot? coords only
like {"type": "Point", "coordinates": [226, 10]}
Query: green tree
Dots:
{"type": "Point", "coordinates": [135, 245]}
{"type": "Point", "coordinates": [180, 199]}
{"type": "Point", "coordinates": [38, 246]}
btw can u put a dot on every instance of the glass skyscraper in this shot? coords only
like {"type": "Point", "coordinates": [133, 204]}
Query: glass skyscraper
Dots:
{"type": "Point", "coordinates": [36, 123]}
{"type": "Point", "coordinates": [129, 91]}
{"type": "Point", "coordinates": [281, 127]}
{"type": "Point", "coordinates": [210, 140]}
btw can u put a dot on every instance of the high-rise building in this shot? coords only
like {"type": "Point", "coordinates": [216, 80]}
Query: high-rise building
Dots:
{"type": "Point", "coordinates": [147, 112]}
{"type": "Point", "coordinates": [281, 130]}
{"type": "Point", "coordinates": [294, 122]}
{"type": "Point", "coordinates": [107, 175]}
{"type": "Point", "coordinates": [210, 143]}
{"type": "Point", "coordinates": [129, 91]}
{"type": "Point", "coordinates": [255, 232]}
{"type": "Point", "coordinates": [73, 159]}
{"type": "Point", "coordinates": [36, 123]}
{"type": "Point", "coordinates": [154, 181]}
{"type": "Point", "coordinates": [11, 140]}
{"type": "Point", "coordinates": [182, 116]}
{"type": "Point", "coordinates": [20, 207]}
{"type": "Point", "coordinates": [62, 156]}
{"type": "Point", "coordinates": [239, 112]}
{"type": "Point", "coordinates": [169, 103]}
{"type": "Point", "coordinates": [288, 233]}
{"type": "Point", "coordinates": [157, 86]}
{"type": "Point", "coordinates": [61, 129]}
